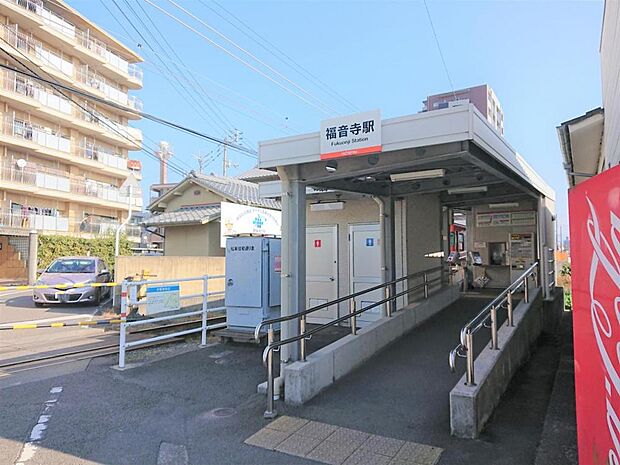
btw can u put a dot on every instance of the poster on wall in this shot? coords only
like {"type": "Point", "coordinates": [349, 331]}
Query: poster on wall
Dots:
{"type": "Point", "coordinates": [243, 219]}
{"type": "Point", "coordinates": [594, 207]}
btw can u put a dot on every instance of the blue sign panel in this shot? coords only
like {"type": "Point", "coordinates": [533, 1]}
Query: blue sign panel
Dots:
{"type": "Point", "coordinates": [370, 241]}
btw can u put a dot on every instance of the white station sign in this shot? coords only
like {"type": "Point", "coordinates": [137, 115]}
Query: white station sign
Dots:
{"type": "Point", "coordinates": [347, 136]}
{"type": "Point", "coordinates": [242, 219]}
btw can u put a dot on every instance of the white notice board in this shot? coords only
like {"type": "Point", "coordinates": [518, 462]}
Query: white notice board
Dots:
{"type": "Point", "coordinates": [160, 299]}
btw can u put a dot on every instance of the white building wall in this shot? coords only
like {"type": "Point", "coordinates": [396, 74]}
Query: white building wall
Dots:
{"type": "Point", "coordinates": [610, 70]}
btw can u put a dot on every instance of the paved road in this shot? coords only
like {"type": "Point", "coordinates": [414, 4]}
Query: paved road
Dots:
{"type": "Point", "coordinates": [106, 417]}
{"type": "Point", "coordinates": [17, 307]}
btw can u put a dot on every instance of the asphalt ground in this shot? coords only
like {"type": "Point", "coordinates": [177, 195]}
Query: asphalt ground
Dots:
{"type": "Point", "coordinates": [18, 307]}
{"type": "Point", "coordinates": [205, 401]}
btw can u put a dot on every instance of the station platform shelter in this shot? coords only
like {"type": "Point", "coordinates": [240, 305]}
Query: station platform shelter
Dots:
{"type": "Point", "coordinates": [366, 233]}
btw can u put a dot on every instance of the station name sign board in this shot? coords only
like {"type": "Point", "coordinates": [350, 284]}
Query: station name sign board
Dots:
{"type": "Point", "coordinates": [352, 135]}
{"type": "Point", "coordinates": [594, 207]}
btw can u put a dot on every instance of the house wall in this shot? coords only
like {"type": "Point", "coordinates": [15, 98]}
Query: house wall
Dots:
{"type": "Point", "coordinates": [186, 240]}
{"type": "Point", "coordinates": [193, 195]}
{"type": "Point", "coordinates": [610, 69]}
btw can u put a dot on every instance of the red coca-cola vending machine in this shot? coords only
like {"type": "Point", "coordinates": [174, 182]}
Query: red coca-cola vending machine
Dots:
{"type": "Point", "coordinates": [594, 207]}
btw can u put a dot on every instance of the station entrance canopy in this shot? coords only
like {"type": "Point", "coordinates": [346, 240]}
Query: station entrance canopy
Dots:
{"type": "Point", "coordinates": [453, 154]}
{"type": "Point", "coordinates": [463, 156]}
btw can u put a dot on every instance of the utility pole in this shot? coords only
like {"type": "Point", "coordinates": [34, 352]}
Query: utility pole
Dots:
{"type": "Point", "coordinates": [201, 158]}
{"type": "Point", "coordinates": [233, 137]}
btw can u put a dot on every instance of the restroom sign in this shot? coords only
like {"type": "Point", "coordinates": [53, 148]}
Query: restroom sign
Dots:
{"type": "Point", "coordinates": [317, 243]}
{"type": "Point", "coordinates": [352, 135]}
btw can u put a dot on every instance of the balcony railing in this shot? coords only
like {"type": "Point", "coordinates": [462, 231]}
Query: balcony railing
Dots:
{"type": "Point", "coordinates": [135, 103]}
{"type": "Point", "coordinates": [42, 136]}
{"type": "Point", "coordinates": [28, 88]}
{"type": "Point", "coordinates": [48, 178]}
{"type": "Point", "coordinates": [57, 223]}
{"type": "Point", "coordinates": [93, 151]}
{"type": "Point", "coordinates": [26, 220]}
{"type": "Point", "coordinates": [95, 117]}
{"type": "Point", "coordinates": [81, 36]}
{"type": "Point", "coordinates": [35, 48]}
{"type": "Point", "coordinates": [48, 17]}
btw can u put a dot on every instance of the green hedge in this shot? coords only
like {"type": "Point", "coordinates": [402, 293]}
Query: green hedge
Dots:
{"type": "Point", "coordinates": [52, 247]}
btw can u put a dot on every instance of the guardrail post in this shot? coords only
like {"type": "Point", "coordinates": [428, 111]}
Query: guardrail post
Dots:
{"type": "Point", "coordinates": [509, 303]}
{"type": "Point", "coordinates": [469, 341]}
{"type": "Point", "coordinates": [123, 328]}
{"type": "Point", "coordinates": [205, 306]}
{"type": "Point", "coordinates": [526, 291]}
{"type": "Point", "coordinates": [271, 411]}
{"type": "Point", "coordinates": [425, 286]}
{"type": "Point", "coordinates": [494, 328]}
{"type": "Point", "coordinates": [302, 341]}
{"type": "Point", "coordinates": [389, 302]}
{"type": "Point", "coordinates": [352, 310]}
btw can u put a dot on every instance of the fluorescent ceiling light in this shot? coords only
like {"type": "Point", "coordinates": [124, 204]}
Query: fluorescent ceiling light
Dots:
{"type": "Point", "coordinates": [504, 205]}
{"type": "Point", "coordinates": [467, 190]}
{"type": "Point", "coordinates": [326, 206]}
{"type": "Point", "coordinates": [427, 174]}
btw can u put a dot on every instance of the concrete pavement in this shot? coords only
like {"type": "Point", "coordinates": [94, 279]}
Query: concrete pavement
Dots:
{"type": "Point", "coordinates": [204, 403]}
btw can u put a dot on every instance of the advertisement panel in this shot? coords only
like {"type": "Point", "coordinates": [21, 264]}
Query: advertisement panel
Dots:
{"type": "Point", "coordinates": [243, 219]}
{"type": "Point", "coordinates": [594, 207]}
{"type": "Point", "coordinates": [163, 298]}
{"type": "Point", "coordinates": [351, 135]}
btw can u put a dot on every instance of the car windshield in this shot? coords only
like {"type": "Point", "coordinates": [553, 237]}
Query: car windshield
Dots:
{"type": "Point", "coordinates": [72, 265]}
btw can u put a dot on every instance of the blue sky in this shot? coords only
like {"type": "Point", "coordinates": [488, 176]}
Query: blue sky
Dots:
{"type": "Point", "coordinates": [541, 58]}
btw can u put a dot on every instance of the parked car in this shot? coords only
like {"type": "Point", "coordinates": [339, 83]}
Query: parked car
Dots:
{"type": "Point", "coordinates": [73, 270]}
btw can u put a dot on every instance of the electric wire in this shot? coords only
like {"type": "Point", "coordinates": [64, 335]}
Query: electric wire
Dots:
{"type": "Point", "coordinates": [142, 114]}
{"type": "Point", "coordinates": [188, 96]}
{"type": "Point", "coordinates": [251, 55]}
{"type": "Point", "coordinates": [445, 67]}
{"type": "Point", "coordinates": [280, 55]}
{"type": "Point", "coordinates": [56, 86]}
{"type": "Point", "coordinates": [237, 58]}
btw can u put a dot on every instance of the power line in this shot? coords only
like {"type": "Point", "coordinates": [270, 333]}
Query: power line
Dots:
{"type": "Point", "coordinates": [142, 114]}
{"type": "Point", "coordinates": [189, 97]}
{"type": "Point", "coordinates": [241, 60]}
{"type": "Point", "coordinates": [57, 85]}
{"type": "Point", "coordinates": [445, 67]}
{"type": "Point", "coordinates": [237, 46]}
{"type": "Point", "coordinates": [282, 56]}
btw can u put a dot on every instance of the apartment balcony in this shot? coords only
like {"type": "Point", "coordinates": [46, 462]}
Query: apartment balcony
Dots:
{"type": "Point", "coordinates": [80, 40]}
{"type": "Point", "coordinates": [52, 183]}
{"type": "Point", "coordinates": [35, 48]}
{"type": "Point", "coordinates": [28, 221]}
{"type": "Point", "coordinates": [28, 95]}
{"type": "Point", "coordinates": [47, 142]}
{"type": "Point", "coordinates": [55, 223]}
{"type": "Point", "coordinates": [107, 88]}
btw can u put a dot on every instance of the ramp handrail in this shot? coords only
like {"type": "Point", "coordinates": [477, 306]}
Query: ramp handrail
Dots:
{"type": "Point", "coordinates": [274, 346]}
{"type": "Point", "coordinates": [465, 348]}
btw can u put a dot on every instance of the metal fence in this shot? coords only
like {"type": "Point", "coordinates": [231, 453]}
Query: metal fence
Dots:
{"type": "Point", "coordinates": [132, 296]}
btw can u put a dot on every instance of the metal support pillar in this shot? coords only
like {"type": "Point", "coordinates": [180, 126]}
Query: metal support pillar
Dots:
{"type": "Point", "coordinates": [293, 257]}
{"type": "Point", "coordinates": [33, 251]}
{"type": "Point", "coordinates": [389, 248]}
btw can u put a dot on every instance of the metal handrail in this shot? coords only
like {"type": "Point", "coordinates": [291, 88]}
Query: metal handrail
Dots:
{"type": "Point", "coordinates": [274, 346]}
{"type": "Point", "coordinates": [340, 300]}
{"type": "Point", "coordinates": [465, 348]}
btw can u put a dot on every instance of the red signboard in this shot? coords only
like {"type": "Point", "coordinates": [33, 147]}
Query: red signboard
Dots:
{"type": "Point", "coordinates": [595, 261]}
{"type": "Point", "coordinates": [317, 243]}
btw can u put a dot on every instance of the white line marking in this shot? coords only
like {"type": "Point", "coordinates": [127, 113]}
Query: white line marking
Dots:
{"type": "Point", "coordinates": [38, 431]}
